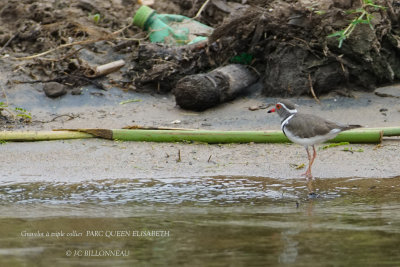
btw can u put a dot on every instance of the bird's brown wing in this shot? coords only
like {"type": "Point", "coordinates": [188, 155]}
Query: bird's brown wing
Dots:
{"type": "Point", "coordinates": [308, 125]}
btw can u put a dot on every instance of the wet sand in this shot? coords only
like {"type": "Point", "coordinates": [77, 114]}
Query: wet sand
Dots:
{"type": "Point", "coordinates": [79, 160]}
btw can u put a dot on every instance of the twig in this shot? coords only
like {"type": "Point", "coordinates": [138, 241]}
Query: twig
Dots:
{"type": "Point", "coordinates": [312, 89]}
{"type": "Point", "coordinates": [70, 117]}
{"type": "Point", "coordinates": [90, 41]}
{"type": "Point", "coordinates": [5, 95]}
{"type": "Point", "coordinates": [201, 9]}
{"type": "Point", "coordinates": [64, 57]}
{"type": "Point", "coordinates": [123, 29]}
{"type": "Point", "coordinates": [62, 79]}
{"type": "Point", "coordinates": [254, 69]}
{"type": "Point", "coordinates": [8, 42]}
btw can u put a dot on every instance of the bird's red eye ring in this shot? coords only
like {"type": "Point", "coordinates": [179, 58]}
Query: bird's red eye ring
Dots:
{"type": "Point", "coordinates": [278, 106]}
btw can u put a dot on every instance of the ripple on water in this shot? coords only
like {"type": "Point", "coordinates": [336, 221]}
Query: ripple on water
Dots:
{"type": "Point", "coordinates": [220, 190]}
{"type": "Point", "coordinates": [197, 190]}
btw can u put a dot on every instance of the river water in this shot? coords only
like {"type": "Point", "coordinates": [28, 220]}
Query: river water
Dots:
{"type": "Point", "coordinates": [201, 221]}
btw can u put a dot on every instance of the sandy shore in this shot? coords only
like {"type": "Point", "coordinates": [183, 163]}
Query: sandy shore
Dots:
{"type": "Point", "coordinates": [80, 160]}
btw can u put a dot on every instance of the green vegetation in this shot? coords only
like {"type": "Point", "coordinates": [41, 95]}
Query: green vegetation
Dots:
{"type": "Point", "coordinates": [16, 112]}
{"type": "Point", "coordinates": [335, 144]}
{"type": "Point", "coordinates": [363, 17]}
{"type": "Point", "coordinates": [347, 149]}
{"type": "Point", "coordinates": [130, 101]}
{"type": "Point", "coordinates": [96, 18]}
{"type": "Point", "coordinates": [297, 166]}
{"type": "Point", "coordinates": [243, 58]}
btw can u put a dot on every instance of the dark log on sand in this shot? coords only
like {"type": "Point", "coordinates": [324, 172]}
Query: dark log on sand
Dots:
{"type": "Point", "coordinates": [201, 91]}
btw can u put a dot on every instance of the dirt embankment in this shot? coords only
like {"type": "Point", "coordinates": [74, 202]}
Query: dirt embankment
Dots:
{"type": "Point", "coordinates": [291, 47]}
{"type": "Point", "coordinates": [286, 42]}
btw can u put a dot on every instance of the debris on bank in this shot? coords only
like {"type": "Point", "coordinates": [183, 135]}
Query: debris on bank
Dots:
{"type": "Point", "coordinates": [294, 46]}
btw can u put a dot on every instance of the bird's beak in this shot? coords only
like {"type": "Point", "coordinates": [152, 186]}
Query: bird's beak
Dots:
{"type": "Point", "coordinates": [271, 110]}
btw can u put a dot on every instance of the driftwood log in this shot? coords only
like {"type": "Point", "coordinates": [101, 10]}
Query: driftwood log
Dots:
{"type": "Point", "coordinates": [201, 91]}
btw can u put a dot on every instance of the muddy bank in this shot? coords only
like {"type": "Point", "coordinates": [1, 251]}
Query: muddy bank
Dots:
{"type": "Point", "coordinates": [117, 109]}
{"type": "Point", "coordinates": [85, 160]}
{"type": "Point", "coordinates": [289, 44]}
{"type": "Point", "coordinates": [82, 160]}
{"type": "Point", "coordinates": [286, 42]}
{"type": "Point", "coordinates": [99, 159]}
{"type": "Point", "coordinates": [291, 39]}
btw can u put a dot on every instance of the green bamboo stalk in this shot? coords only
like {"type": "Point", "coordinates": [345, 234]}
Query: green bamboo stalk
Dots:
{"type": "Point", "coordinates": [359, 136]}
{"type": "Point", "coordinates": [387, 131]}
{"type": "Point", "coordinates": [204, 136]}
{"type": "Point", "coordinates": [219, 137]}
{"type": "Point", "coordinates": [363, 135]}
{"type": "Point", "coordinates": [42, 135]}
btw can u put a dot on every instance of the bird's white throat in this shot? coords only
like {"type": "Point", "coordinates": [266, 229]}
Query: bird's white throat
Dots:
{"type": "Point", "coordinates": [286, 121]}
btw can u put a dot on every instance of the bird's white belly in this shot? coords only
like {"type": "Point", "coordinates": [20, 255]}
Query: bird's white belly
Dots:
{"type": "Point", "coordinates": [312, 140]}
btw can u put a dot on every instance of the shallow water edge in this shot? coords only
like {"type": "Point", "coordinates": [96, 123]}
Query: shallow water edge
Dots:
{"type": "Point", "coordinates": [198, 221]}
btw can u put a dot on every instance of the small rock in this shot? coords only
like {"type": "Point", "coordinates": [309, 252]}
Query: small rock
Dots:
{"type": "Point", "coordinates": [76, 91]}
{"type": "Point", "coordinates": [253, 108]}
{"type": "Point", "coordinates": [383, 110]}
{"type": "Point", "coordinates": [54, 89]}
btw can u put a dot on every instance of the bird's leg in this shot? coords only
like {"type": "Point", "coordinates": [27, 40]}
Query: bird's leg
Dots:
{"type": "Point", "coordinates": [308, 154]}
{"type": "Point", "coordinates": [314, 156]}
{"type": "Point", "coordinates": [311, 163]}
{"type": "Point", "coordinates": [308, 172]}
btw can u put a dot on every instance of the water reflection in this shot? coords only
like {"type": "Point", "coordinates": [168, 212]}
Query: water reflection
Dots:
{"type": "Point", "coordinates": [290, 251]}
{"type": "Point", "coordinates": [218, 190]}
{"type": "Point", "coordinates": [211, 221]}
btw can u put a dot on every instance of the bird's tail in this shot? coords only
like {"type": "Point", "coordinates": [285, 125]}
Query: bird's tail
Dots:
{"type": "Point", "coordinates": [351, 126]}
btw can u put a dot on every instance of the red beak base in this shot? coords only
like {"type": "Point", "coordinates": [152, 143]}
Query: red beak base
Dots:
{"type": "Point", "coordinates": [271, 110]}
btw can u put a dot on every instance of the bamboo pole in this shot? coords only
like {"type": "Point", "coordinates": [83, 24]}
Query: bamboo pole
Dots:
{"type": "Point", "coordinates": [387, 131]}
{"type": "Point", "coordinates": [363, 135]}
{"type": "Point", "coordinates": [42, 135]}
{"type": "Point", "coordinates": [212, 137]}
{"type": "Point", "coordinates": [359, 136]}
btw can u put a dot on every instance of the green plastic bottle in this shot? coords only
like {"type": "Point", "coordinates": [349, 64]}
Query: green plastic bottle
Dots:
{"type": "Point", "coordinates": [170, 28]}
